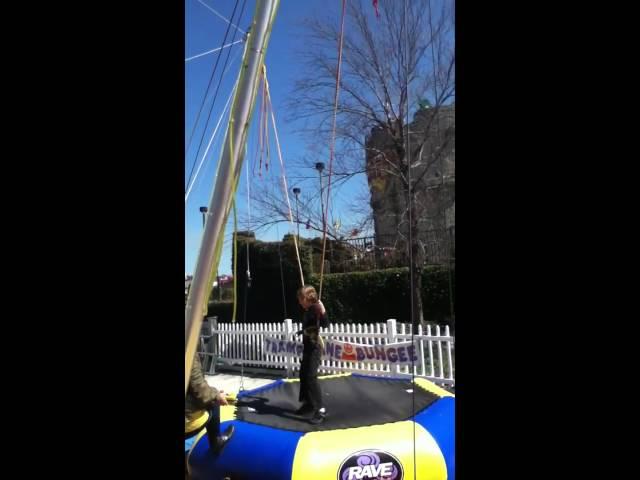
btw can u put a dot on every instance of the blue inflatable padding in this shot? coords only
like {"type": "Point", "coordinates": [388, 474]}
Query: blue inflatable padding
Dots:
{"type": "Point", "coordinates": [245, 456]}
{"type": "Point", "coordinates": [439, 421]}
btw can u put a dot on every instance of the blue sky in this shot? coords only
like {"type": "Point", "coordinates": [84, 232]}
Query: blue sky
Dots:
{"type": "Point", "coordinates": [205, 31]}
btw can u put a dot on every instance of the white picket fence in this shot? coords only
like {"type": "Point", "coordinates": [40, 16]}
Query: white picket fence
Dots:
{"type": "Point", "coordinates": [242, 344]}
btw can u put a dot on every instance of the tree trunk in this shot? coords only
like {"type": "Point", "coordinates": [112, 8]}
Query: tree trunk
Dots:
{"type": "Point", "coordinates": [416, 268]}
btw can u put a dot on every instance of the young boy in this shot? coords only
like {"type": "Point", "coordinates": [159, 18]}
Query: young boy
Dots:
{"type": "Point", "coordinates": [315, 316]}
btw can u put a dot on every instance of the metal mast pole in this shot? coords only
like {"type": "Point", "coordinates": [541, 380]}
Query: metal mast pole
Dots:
{"type": "Point", "coordinates": [230, 165]}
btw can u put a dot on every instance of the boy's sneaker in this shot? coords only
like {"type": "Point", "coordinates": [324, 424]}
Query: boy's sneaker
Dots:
{"type": "Point", "coordinates": [304, 409]}
{"type": "Point", "coordinates": [318, 417]}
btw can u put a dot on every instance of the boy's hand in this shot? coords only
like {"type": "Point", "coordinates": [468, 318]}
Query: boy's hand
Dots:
{"type": "Point", "coordinates": [322, 309]}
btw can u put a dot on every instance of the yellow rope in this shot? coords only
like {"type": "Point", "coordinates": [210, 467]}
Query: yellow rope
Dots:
{"type": "Point", "coordinates": [284, 175]}
{"type": "Point", "coordinates": [235, 263]}
{"type": "Point", "coordinates": [333, 144]}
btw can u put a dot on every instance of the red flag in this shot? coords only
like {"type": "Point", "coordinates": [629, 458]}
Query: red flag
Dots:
{"type": "Point", "coordinates": [375, 5]}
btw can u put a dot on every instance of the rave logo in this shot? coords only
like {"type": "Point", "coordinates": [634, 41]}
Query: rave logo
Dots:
{"type": "Point", "coordinates": [370, 465]}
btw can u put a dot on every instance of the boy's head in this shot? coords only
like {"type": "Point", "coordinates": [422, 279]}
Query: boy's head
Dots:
{"type": "Point", "coordinates": [307, 296]}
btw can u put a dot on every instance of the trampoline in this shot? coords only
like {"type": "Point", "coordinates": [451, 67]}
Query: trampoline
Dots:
{"type": "Point", "coordinates": [368, 433]}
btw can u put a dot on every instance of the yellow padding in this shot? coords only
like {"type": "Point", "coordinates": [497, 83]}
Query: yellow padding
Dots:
{"type": "Point", "coordinates": [195, 421]}
{"type": "Point", "coordinates": [320, 454]}
{"type": "Point", "coordinates": [433, 388]}
{"type": "Point", "coordinates": [227, 412]}
{"type": "Point", "coordinates": [337, 375]}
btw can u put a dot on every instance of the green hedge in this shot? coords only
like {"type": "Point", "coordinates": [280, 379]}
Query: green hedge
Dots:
{"type": "Point", "coordinates": [272, 265]}
{"type": "Point", "coordinates": [375, 296]}
{"type": "Point", "coordinates": [359, 297]}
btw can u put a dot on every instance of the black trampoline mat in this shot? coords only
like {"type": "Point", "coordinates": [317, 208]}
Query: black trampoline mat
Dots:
{"type": "Point", "coordinates": [351, 402]}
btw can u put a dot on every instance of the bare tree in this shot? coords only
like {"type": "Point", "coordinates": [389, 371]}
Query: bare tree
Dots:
{"type": "Point", "coordinates": [273, 209]}
{"type": "Point", "coordinates": [390, 63]}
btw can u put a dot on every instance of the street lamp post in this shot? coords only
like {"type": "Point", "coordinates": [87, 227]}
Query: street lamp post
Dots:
{"type": "Point", "coordinates": [203, 211]}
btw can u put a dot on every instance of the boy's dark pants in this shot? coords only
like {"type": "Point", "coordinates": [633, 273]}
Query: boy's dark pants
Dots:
{"type": "Point", "coordinates": [310, 392]}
